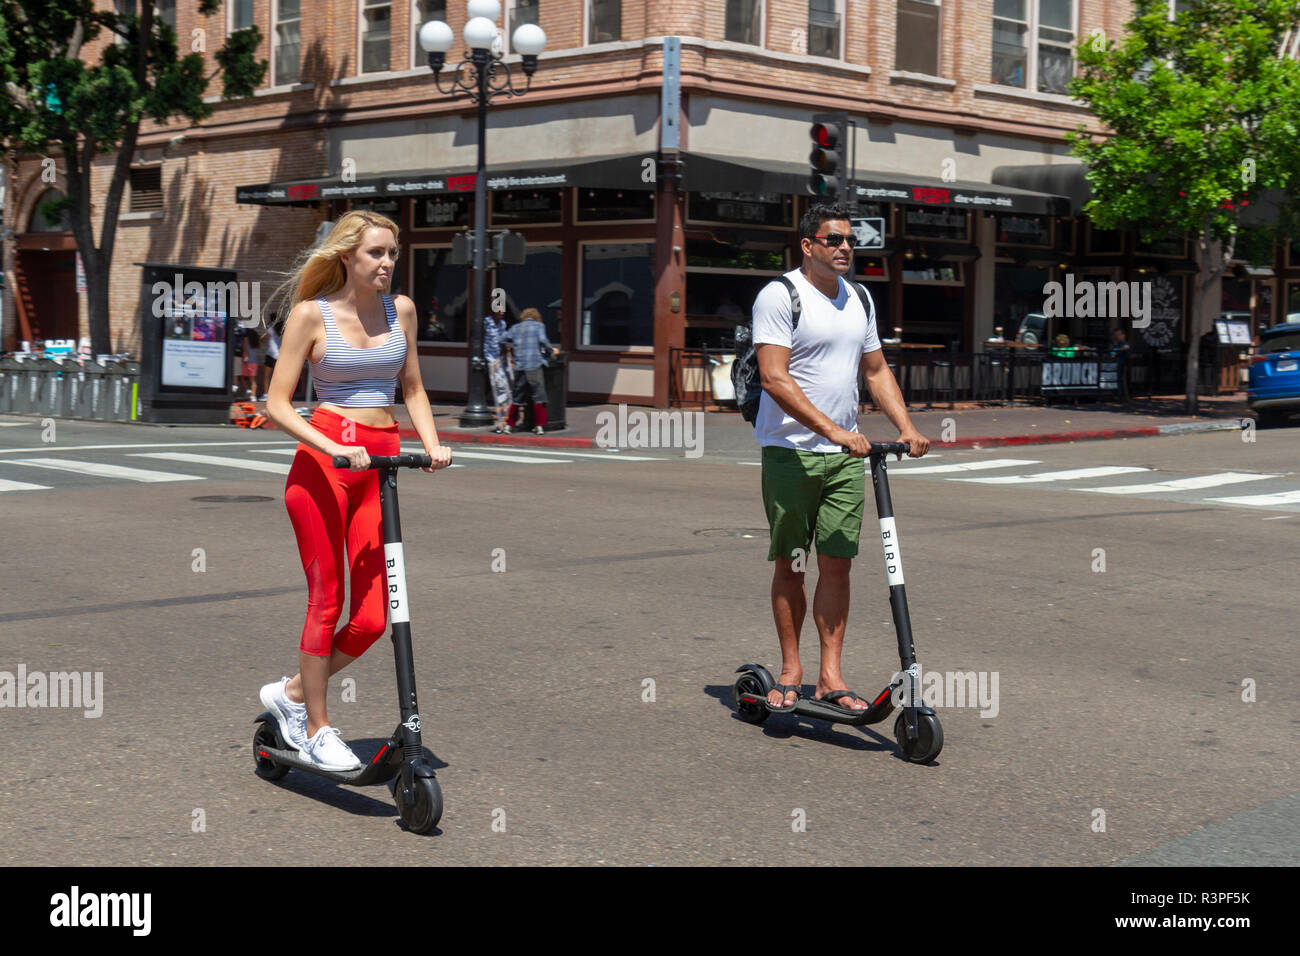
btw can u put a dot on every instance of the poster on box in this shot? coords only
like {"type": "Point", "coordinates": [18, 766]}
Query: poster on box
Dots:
{"type": "Point", "coordinates": [194, 343]}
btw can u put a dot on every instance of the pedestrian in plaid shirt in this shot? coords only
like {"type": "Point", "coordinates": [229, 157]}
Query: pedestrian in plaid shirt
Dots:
{"type": "Point", "coordinates": [532, 351]}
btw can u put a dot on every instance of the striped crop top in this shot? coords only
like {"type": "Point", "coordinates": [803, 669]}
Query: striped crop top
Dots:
{"type": "Point", "coordinates": [347, 375]}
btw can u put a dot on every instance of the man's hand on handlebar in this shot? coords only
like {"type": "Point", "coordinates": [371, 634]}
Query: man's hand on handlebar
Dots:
{"type": "Point", "coordinates": [855, 443]}
{"type": "Point", "coordinates": [918, 443]}
{"type": "Point", "coordinates": [441, 456]}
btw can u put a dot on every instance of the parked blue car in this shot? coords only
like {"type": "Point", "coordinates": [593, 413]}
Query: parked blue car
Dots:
{"type": "Point", "coordinates": [1274, 390]}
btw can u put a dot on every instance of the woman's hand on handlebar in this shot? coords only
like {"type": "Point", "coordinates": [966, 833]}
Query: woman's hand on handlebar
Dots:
{"type": "Point", "coordinates": [441, 456]}
{"type": "Point", "coordinates": [357, 456]}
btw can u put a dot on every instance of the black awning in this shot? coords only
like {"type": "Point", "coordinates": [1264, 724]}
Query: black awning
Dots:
{"type": "Point", "coordinates": [708, 173]}
{"type": "Point", "coordinates": [1061, 179]}
{"type": "Point", "coordinates": [597, 172]}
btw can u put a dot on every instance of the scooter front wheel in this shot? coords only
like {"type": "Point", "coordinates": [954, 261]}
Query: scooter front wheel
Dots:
{"type": "Point", "coordinates": [929, 738]}
{"type": "Point", "coordinates": [422, 815]}
{"type": "Point", "coordinates": [264, 767]}
{"type": "Point", "coordinates": [749, 683]}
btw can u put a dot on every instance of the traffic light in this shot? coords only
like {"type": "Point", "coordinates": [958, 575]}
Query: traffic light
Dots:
{"type": "Point", "coordinates": [829, 134]}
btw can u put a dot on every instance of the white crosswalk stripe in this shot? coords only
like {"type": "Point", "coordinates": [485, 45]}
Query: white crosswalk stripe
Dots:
{"type": "Point", "coordinates": [101, 470]}
{"type": "Point", "coordinates": [1263, 501]}
{"type": "Point", "coordinates": [963, 466]}
{"type": "Point", "coordinates": [1180, 484]}
{"type": "Point", "coordinates": [6, 485]}
{"type": "Point", "coordinates": [247, 464]}
{"type": "Point", "coordinates": [1071, 474]}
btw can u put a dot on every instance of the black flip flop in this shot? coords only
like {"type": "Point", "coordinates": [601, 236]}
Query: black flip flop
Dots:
{"type": "Point", "coordinates": [835, 695]}
{"type": "Point", "coordinates": [785, 689]}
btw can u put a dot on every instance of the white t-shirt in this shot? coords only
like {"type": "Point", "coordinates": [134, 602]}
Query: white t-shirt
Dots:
{"type": "Point", "coordinates": [825, 354]}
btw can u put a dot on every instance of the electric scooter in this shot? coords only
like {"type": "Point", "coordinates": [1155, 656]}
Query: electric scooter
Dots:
{"type": "Point", "coordinates": [401, 759]}
{"type": "Point", "coordinates": [916, 729]}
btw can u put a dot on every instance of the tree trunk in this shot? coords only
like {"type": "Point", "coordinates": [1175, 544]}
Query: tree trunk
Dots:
{"type": "Point", "coordinates": [1212, 261]}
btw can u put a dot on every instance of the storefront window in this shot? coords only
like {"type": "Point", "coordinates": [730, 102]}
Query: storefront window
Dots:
{"type": "Point", "coordinates": [1017, 292]}
{"type": "Point", "coordinates": [606, 205]}
{"type": "Point", "coordinates": [708, 254]}
{"type": "Point", "coordinates": [936, 224]}
{"type": "Point", "coordinates": [1104, 241]}
{"type": "Point", "coordinates": [754, 209]}
{"type": "Point", "coordinates": [1021, 230]}
{"type": "Point", "coordinates": [1293, 302]}
{"type": "Point", "coordinates": [511, 206]}
{"type": "Point", "coordinates": [537, 285]}
{"type": "Point", "coordinates": [436, 212]}
{"type": "Point", "coordinates": [1176, 247]}
{"type": "Point", "coordinates": [440, 292]}
{"type": "Point", "coordinates": [617, 294]}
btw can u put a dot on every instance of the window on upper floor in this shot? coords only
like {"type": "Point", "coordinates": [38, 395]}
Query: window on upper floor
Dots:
{"type": "Point", "coordinates": [1032, 41]}
{"type": "Point", "coordinates": [604, 21]}
{"type": "Point", "coordinates": [422, 11]}
{"type": "Point", "coordinates": [241, 14]}
{"type": "Point", "coordinates": [744, 21]}
{"type": "Point", "coordinates": [375, 30]}
{"type": "Point", "coordinates": [286, 42]}
{"type": "Point", "coordinates": [917, 47]}
{"type": "Point", "coordinates": [146, 189]}
{"type": "Point", "coordinates": [824, 28]}
{"type": "Point", "coordinates": [165, 10]}
{"type": "Point", "coordinates": [518, 12]}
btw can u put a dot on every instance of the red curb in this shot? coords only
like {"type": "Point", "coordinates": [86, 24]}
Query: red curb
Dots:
{"type": "Point", "coordinates": [993, 441]}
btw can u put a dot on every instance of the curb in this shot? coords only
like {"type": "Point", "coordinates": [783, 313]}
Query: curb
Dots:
{"type": "Point", "coordinates": [450, 435]}
{"type": "Point", "coordinates": [1146, 431]}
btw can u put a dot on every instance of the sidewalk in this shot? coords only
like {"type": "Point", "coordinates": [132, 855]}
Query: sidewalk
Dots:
{"type": "Point", "coordinates": [967, 425]}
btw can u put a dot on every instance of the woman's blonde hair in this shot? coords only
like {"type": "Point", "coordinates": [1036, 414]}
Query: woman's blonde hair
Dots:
{"type": "Point", "coordinates": [320, 271]}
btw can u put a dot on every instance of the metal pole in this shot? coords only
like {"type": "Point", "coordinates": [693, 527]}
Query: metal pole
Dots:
{"type": "Point", "coordinates": [476, 413]}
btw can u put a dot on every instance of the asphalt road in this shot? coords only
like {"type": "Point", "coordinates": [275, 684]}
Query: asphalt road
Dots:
{"type": "Point", "coordinates": [1119, 690]}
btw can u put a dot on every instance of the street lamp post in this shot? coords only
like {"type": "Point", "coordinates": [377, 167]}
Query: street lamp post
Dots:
{"type": "Point", "coordinates": [483, 75]}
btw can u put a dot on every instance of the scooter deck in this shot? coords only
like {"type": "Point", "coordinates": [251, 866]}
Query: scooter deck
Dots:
{"type": "Point", "coordinates": [880, 708]}
{"type": "Point", "coordinates": [384, 766]}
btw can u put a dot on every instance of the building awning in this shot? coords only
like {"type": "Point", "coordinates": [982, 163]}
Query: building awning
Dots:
{"type": "Point", "coordinates": [707, 173]}
{"type": "Point", "coordinates": [1061, 179]}
{"type": "Point", "coordinates": [598, 172]}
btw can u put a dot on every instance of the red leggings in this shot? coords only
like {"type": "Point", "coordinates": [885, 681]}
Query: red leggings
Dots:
{"type": "Point", "coordinates": [328, 506]}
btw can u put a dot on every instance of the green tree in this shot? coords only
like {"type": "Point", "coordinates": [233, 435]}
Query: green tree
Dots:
{"type": "Point", "coordinates": [1201, 113]}
{"type": "Point", "coordinates": [54, 100]}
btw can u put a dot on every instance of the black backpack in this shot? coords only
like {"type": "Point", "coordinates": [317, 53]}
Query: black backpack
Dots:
{"type": "Point", "coordinates": [745, 378]}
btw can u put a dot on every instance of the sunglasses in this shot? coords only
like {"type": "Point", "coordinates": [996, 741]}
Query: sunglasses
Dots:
{"type": "Point", "coordinates": [834, 239]}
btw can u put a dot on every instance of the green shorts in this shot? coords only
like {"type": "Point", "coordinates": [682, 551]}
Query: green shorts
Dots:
{"type": "Point", "coordinates": [811, 494]}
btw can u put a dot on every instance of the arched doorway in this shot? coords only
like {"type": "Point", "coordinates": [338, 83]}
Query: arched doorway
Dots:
{"type": "Point", "coordinates": [45, 265]}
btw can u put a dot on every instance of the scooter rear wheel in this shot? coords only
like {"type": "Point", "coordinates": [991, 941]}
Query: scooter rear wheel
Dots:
{"type": "Point", "coordinates": [929, 738]}
{"type": "Point", "coordinates": [748, 683]}
{"type": "Point", "coordinates": [422, 815]}
{"type": "Point", "coordinates": [265, 768]}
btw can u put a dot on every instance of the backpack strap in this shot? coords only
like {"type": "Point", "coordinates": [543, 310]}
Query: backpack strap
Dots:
{"type": "Point", "coordinates": [862, 297]}
{"type": "Point", "coordinates": [795, 305]}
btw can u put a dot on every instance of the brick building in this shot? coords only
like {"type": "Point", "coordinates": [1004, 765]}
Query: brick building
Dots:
{"type": "Point", "coordinates": [657, 168]}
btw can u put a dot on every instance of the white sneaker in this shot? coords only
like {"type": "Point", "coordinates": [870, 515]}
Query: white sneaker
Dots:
{"type": "Point", "coordinates": [291, 717]}
{"type": "Point", "coordinates": [327, 750]}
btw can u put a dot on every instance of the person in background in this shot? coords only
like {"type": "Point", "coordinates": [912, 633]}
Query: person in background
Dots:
{"type": "Point", "coordinates": [248, 358]}
{"type": "Point", "coordinates": [270, 352]}
{"type": "Point", "coordinates": [532, 351]}
{"type": "Point", "coordinates": [1120, 352]}
{"type": "Point", "coordinates": [494, 327]}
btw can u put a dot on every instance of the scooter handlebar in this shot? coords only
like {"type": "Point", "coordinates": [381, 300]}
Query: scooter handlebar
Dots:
{"type": "Point", "coordinates": [881, 448]}
{"type": "Point", "coordinates": [389, 461]}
